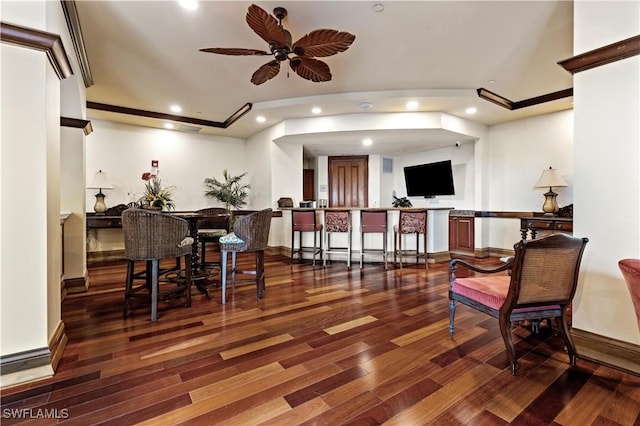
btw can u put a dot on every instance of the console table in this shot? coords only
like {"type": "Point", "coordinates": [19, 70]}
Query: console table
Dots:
{"type": "Point", "coordinates": [544, 223]}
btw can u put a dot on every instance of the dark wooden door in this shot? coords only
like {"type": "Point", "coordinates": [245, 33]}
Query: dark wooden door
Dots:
{"type": "Point", "coordinates": [348, 181]}
{"type": "Point", "coordinates": [308, 182]}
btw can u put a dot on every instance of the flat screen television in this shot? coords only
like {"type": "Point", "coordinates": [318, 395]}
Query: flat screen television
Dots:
{"type": "Point", "coordinates": [429, 180]}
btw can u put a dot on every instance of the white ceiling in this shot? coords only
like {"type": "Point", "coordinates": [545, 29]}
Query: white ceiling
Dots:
{"type": "Point", "coordinates": [145, 55]}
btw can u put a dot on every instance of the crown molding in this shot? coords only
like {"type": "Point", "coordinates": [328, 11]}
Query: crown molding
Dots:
{"type": "Point", "coordinates": [161, 116]}
{"type": "Point", "coordinates": [75, 31]}
{"type": "Point", "coordinates": [77, 123]}
{"type": "Point", "coordinates": [500, 100]}
{"type": "Point", "coordinates": [42, 41]}
{"type": "Point", "coordinates": [602, 55]}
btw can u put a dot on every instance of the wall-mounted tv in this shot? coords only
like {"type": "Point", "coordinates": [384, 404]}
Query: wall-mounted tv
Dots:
{"type": "Point", "coordinates": [429, 180]}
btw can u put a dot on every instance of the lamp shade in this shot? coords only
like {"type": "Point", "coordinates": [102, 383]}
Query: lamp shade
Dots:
{"type": "Point", "coordinates": [550, 178]}
{"type": "Point", "coordinates": [100, 181]}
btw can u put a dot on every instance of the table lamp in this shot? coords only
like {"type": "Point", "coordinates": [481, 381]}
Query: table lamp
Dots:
{"type": "Point", "coordinates": [549, 178]}
{"type": "Point", "coordinates": [100, 182]}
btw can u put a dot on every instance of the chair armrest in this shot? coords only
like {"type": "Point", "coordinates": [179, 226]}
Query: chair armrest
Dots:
{"type": "Point", "coordinates": [453, 264]}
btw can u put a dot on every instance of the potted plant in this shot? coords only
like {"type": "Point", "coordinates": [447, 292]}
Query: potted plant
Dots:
{"type": "Point", "coordinates": [155, 196]}
{"type": "Point", "coordinates": [401, 202]}
{"type": "Point", "coordinates": [230, 191]}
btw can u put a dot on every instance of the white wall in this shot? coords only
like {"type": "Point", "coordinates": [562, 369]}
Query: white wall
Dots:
{"type": "Point", "coordinates": [519, 151]}
{"type": "Point", "coordinates": [607, 169]}
{"type": "Point", "coordinates": [124, 152]}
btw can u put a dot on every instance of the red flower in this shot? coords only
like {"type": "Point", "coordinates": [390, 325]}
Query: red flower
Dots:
{"type": "Point", "coordinates": [147, 176]}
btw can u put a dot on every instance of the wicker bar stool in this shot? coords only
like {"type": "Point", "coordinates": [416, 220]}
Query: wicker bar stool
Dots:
{"type": "Point", "coordinates": [305, 221]}
{"type": "Point", "coordinates": [210, 229]}
{"type": "Point", "coordinates": [373, 222]}
{"type": "Point", "coordinates": [337, 221]}
{"type": "Point", "coordinates": [150, 236]}
{"type": "Point", "coordinates": [250, 234]}
{"type": "Point", "coordinates": [411, 222]}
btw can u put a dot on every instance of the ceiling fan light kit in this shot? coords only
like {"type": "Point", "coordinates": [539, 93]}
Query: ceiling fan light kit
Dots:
{"type": "Point", "coordinates": [317, 43]}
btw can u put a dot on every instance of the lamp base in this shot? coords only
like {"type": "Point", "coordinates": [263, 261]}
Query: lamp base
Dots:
{"type": "Point", "coordinates": [550, 206]}
{"type": "Point", "coordinates": [100, 207]}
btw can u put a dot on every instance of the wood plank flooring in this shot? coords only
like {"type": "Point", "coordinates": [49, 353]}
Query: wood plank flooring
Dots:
{"type": "Point", "coordinates": [325, 346]}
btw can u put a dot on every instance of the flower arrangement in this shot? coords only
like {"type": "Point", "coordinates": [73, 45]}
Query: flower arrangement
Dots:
{"type": "Point", "coordinates": [155, 196]}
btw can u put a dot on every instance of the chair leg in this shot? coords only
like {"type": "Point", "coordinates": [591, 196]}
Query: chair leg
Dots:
{"type": "Point", "coordinates": [188, 278]}
{"type": "Point", "coordinates": [327, 244]}
{"type": "Point", "coordinates": [293, 248]}
{"type": "Point", "coordinates": [260, 279]}
{"type": "Point", "coordinates": [154, 289]}
{"type": "Point", "coordinates": [395, 247]}
{"type": "Point", "coordinates": [561, 323]}
{"type": "Point", "coordinates": [233, 271]}
{"type": "Point", "coordinates": [505, 330]}
{"type": "Point", "coordinates": [349, 249]}
{"type": "Point", "coordinates": [315, 248]}
{"type": "Point", "coordinates": [452, 314]}
{"type": "Point", "coordinates": [128, 287]}
{"type": "Point", "coordinates": [361, 248]}
{"type": "Point", "coordinates": [223, 274]}
{"type": "Point", "coordinates": [400, 248]}
{"type": "Point", "coordinates": [384, 249]}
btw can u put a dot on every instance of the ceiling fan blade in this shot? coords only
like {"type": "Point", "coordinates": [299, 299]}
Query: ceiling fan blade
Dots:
{"type": "Point", "coordinates": [266, 26]}
{"type": "Point", "coordinates": [265, 72]}
{"type": "Point", "coordinates": [311, 69]}
{"type": "Point", "coordinates": [235, 51]}
{"type": "Point", "coordinates": [324, 42]}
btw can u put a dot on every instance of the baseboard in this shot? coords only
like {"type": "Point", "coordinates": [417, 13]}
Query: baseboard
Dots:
{"type": "Point", "coordinates": [482, 253]}
{"type": "Point", "coordinates": [607, 351]}
{"type": "Point", "coordinates": [25, 367]}
{"type": "Point", "coordinates": [75, 285]}
{"type": "Point", "coordinates": [57, 343]}
{"type": "Point", "coordinates": [104, 256]}
{"type": "Point", "coordinates": [441, 257]}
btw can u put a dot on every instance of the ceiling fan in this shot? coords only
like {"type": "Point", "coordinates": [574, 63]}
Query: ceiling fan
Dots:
{"type": "Point", "coordinates": [318, 43]}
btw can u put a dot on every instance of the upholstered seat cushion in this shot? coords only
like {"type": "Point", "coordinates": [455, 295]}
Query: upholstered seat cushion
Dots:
{"type": "Point", "coordinates": [212, 233]}
{"type": "Point", "coordinates": [231, 238]}
{"type": "Point", "coordinates": [490, 291]}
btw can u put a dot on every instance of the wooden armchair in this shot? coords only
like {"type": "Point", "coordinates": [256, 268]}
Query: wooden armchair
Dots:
{"type": "Point", "coordinates": [630, 269]}
{"type": "Point", "coordinates": [151, 236]}
{"type": "Point", "coordinates": [542, 282]}
{"type": "Point", "coordinates": [250, 234]}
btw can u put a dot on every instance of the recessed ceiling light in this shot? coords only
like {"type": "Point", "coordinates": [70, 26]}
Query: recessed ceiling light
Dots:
{"type": "Point", "coordinates": [366, 105]}
{"type": "Point", "coordinates": [367, 142]}
{"type": "Point", "coordinates": [492, 81]}
{"type": "Point", "coordinates": [189, 4]}
{"type": "Point", "coordinates": [412, 104]}
{"type": "Point", "coordinates": [378, 7]}
{"type": "Point", "coordinates": [168, 125]}
{"type": "Point", "coordinates": [175, 108]}
{"type": "Point", "coordinates": [471, 110]}
{"type": "Point", "coordinates": [316, 110]}
{"type": "Point", "coordinates": [260, 119]}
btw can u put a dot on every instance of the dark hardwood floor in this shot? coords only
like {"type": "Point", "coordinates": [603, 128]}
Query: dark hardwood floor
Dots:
{"type": "Point", "coordinates": [324, 347]}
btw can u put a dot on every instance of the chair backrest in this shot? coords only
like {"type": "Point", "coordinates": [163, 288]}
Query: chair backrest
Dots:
{"type": "Point", "coordinates": [337, 220]}
{"type": "Point", "coordinates": [630, 269]}
{"type": "Point", "coordinates": [545, 271]}
{"type": "Point", "coordinates": [373, 221]}
{"type": "Point", "coordinates": [253, 229]}
{"type": "Point", "coordinates": [153, 235]}
{"type": "Point", "coordinates": [217, 218]}
{"type": "Point", "coordinates": [412, 221]}
{"type": "Point", "coordinates": [303, 220]}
